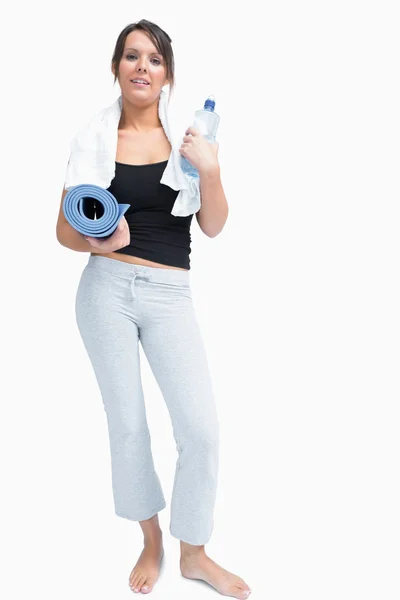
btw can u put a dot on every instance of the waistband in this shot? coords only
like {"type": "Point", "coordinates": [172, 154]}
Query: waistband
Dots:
{"type": "Point", "coordinates": [126, 269]}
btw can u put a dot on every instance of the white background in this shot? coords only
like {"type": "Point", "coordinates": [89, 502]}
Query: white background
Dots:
{"type": "Point", "coordinates": [298, 300]}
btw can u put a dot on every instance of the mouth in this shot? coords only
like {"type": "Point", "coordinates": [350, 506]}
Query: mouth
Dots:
{"type": "Point", "coordinates": [139, 82]}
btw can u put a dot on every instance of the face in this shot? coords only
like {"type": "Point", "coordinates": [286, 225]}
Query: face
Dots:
{"type": "Point", "coordinates": [141, 60]}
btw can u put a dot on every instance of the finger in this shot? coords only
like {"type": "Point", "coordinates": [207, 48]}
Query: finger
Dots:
{"type": "Point", "coordinates": [192, 130]}
{"type": "Point", "coordinates": [95, 243]}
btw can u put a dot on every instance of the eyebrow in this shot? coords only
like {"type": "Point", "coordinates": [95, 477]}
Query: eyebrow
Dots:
{"type": "Point", "coordinates": [134, 50]}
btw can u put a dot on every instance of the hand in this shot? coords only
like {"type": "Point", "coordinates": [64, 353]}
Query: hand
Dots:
{"type": "Point", "coordinates": [119, 239]}
{"type": "Point", "coordinates": [201, 153]}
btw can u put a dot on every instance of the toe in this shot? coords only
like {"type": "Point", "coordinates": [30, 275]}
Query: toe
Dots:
{"type": "Point", "coordinates": [141, 582]}
{"type": "Point", "coordinates": [135, 581]}
{"type": "Point", "coordinates": [149, 584]}
{"type": "Point", "coordinates": [147, 587]}
{"type": "Point", "coordinates": [133, 576]}
{"type": "Point", "coordinates": [243, 591]}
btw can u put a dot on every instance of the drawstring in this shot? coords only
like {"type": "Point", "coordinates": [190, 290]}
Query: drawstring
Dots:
{"type": "Point", "coordinates": [143, 275]}
{"type": "Point", "coordinates": [133, 284]}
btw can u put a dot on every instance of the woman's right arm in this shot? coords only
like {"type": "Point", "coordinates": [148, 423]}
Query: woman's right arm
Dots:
{"type": "Point", "coordinates": [69, 237]}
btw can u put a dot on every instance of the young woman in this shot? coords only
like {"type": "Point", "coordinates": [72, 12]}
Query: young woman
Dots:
{"type": "Point", "coordinates": [136, 286]}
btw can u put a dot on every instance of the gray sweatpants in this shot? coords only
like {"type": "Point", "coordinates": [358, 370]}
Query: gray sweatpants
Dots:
{"type": "Point", "coordinates": [118, 304]}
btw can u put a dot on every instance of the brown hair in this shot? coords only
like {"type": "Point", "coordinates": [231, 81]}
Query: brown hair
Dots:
{"type": "Point", "coordinates": [160, 39]}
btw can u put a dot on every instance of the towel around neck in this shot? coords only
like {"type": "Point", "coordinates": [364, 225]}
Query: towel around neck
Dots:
{"type": "Point", "coordinates": [93, 151]}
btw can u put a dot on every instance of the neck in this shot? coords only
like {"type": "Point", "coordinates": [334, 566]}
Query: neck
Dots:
{"type": "Point", "coordinates": [140, 119]}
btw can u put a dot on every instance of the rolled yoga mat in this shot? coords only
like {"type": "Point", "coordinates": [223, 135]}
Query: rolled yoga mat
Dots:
{"type": "Point", "coordinates": [78, 203]}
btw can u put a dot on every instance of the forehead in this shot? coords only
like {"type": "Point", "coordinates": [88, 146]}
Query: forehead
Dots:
{"type": "Point", "coordinates": [140, 42]}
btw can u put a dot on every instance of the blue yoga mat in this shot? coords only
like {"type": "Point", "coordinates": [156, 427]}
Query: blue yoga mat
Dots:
{"type": "Point", "coordinates": [78, 198]}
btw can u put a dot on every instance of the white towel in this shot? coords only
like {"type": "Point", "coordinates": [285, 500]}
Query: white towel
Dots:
{"type": "Point", "coordinates": [94, 149]}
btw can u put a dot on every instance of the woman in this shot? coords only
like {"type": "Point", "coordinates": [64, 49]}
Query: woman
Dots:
{"type": "Point", "coordinates": [136, 286]}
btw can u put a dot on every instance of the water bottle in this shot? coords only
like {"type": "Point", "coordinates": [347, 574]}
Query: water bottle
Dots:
{"type": "Point", "coordinates": [206, 121]}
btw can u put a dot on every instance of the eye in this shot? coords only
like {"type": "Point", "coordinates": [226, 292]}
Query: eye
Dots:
{"type": "Point", "coordinates": [134, 56]}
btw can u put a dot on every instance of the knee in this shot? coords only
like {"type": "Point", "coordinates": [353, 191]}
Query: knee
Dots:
{"type": "Point", "coordinates": [199, 452]}
{"type": "Point", "coordinates": [202, 439]}
{"type": "Point", "coordinates": [127, 427]}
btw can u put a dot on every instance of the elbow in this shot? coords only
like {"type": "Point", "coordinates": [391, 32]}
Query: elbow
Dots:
{"type": "Point", "coordinates": [211, 233]}
{"type": "Point", "coordinates": [213, 228]}
{"type": "Point", "coordinates": [61, 236]}
{"type": "Point", "coordinates": [58, 235]}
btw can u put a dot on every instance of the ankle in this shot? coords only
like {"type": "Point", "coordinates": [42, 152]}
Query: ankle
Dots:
{"type": "Point", "coordinates": [151, 530]}
{"type": "Point", "coordinates": [189, 552]}
{"type": "Point", "coordinates": [153, 537]}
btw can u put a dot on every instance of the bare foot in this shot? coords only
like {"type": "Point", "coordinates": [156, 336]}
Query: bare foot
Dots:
{"type": "Point", "coordinates": [146, 571]}
{"type": "Point", "coordinates": [200, 566]}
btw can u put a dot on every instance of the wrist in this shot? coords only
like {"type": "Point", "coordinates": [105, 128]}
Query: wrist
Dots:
{"type": "Point", "coordinates": [210, 172]}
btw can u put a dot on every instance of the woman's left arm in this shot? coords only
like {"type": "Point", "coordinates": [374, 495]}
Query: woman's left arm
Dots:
{"type": "Point", "coordinates": [203, 155]}
{"type": "Point", "coordinates": [214, 210]}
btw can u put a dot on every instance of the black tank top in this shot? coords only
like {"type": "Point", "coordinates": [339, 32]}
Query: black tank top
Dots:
{"type": "Point", "coordinates": [156, 234]}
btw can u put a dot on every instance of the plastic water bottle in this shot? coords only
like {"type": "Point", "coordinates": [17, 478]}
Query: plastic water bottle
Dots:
{"type": "Point", "coordinates": [206, 121]}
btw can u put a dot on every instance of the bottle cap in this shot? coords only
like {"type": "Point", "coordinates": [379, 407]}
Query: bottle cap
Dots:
{"type": "Point", "coordinates": [210, 102]}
